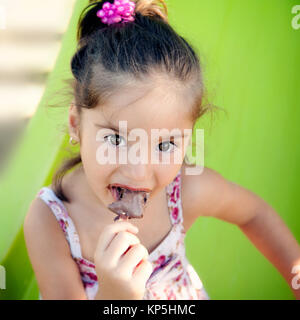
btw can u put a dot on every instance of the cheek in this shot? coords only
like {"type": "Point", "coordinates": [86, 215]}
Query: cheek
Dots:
{"type": "Point", "coordinates": [88, 156]}
{"type": "Point", "coordinates": [166, 174]}
{"type": "Point", "coordinates": [97, 174]}
{"type": "Point", "coordinates": [93, 153]}
{"type": "Point", "coordinates": [97, 177]}
{"type": "Point", "coordinates": [95, 171]}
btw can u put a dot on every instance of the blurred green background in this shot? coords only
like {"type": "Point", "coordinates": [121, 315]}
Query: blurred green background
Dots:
{"type": "Point", "coordinates": [250, 58]}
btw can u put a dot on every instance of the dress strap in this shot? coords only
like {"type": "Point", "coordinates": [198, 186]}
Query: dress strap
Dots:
{"type": "Point", "coordinates": [174, 199]}
{"type": "Point", "coordinates": [62, 216]}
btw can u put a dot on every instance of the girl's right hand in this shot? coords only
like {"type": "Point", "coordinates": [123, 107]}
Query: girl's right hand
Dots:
{"type": "Point", "coordinates": [121, 263]}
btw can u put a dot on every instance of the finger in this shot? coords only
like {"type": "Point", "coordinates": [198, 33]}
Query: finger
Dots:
{"type": "Point", "coordinates": [119, 246]}
{"type": "Point", "coordinates": [110, 232]}
{"type": "Point", "coordinates": [142, 272]}
{"type": "Point", "coordinates": [132, 258]}
{"type": "Point", "coordinates": [116, 230]}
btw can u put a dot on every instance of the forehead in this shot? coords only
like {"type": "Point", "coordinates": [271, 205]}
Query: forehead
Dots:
{"type": "Point", "coordinates": [158, 104]}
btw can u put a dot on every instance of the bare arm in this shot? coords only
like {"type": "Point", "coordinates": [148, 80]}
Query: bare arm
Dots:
{"type": "Point", "coordinates": [56, 272]}
{"type": "Point", "coordinates": [271, 236]}
{"type": "Point", "coordinates": [212, 195]}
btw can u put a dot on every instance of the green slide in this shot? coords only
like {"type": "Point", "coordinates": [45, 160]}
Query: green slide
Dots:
{"type": "Point", "coordinates": [250, 57]}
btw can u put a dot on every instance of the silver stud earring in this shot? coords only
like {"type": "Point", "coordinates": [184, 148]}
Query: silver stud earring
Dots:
{"type": "Point", "coordinates": [72, 141]}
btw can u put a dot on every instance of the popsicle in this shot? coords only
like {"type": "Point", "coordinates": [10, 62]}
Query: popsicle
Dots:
{"type": "Point", "coordinates": [130, 204]}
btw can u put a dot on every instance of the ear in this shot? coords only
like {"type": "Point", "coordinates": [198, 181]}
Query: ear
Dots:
{"type": "Point", "coordinates": [74, 122]}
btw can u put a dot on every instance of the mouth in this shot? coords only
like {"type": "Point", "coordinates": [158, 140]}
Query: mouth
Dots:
{"type": "Point", "coordinates": [116, 192]}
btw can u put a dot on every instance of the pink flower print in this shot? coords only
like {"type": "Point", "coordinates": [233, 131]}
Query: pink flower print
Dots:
{"type": "Point", "coordinates": [161, 259]}
{"type": "Point", "coordinates": [172, 195]}
{"type": "Point", "coordinates": [179, 276]}
{"type": "Point", "coordinates": [171, 295]}
{"type": "Point", "coordinates": [63, 225]}
{"type": "Point", "coordinates": [185, 282]}
{"type": "Point", "coordinates": [86, 263]}
{"type": "Point", "coordinates": [88, 284]}
{"type": "Point", "coordinates": [40, 192]}
{"type": "Point", "coordinates": [91, 275]}
{"type": "Point", "coordinates": [175, 213]}
{"type": "Point", "coordinates": [160, 262]}
{"type": "Point", "coordinates": [175, 194]}
{"type": "Point", "coordinates": [58, 209]}
{"type": "Point", "coordinates": [88, 276]}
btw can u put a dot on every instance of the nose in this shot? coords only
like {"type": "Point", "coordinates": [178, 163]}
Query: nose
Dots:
{"type": "Point", "coordinates": [138, 173]}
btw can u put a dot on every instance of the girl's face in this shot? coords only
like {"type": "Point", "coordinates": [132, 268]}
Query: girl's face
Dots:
{"type": "Point", "coordinates": [163, 107]}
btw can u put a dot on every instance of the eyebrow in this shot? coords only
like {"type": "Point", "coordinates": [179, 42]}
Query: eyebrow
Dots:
{"type": "Point", "coordinates": [109, 126]}
{"type": "Point", "coordinates": [113, 128]}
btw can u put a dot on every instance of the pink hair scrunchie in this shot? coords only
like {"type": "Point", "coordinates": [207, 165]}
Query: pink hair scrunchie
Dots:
{"type": "Point", "coordinates": [120, 10]}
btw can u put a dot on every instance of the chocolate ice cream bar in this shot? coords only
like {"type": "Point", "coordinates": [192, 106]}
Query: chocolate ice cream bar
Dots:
{"type": "Point", "coordinates": [130, 204]}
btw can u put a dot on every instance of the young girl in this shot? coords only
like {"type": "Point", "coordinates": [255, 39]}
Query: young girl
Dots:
{"type": "Point", "coordinates": [132, 66]}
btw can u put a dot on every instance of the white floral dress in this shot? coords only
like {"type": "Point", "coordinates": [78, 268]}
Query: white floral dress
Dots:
{"type": "Point", "coordinates": [173, 277]}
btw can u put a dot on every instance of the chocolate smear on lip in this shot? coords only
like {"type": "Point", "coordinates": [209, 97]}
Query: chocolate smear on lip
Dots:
{"type": "Point", "coordinates": [130, 204]}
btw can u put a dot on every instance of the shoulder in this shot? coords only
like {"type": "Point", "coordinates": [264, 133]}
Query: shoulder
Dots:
{"type": "Point", "coordinates": [50, 254]}
{"type": "Point", "coordinates": [40, 219]}
{"type": "Point", "coordinates": [202, 194]}
{"type": "Point", "coordinates": [210, 194]}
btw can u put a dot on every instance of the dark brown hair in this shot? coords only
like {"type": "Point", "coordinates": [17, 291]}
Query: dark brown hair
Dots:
{"type": "Point", "coordinates": [110, 56]}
